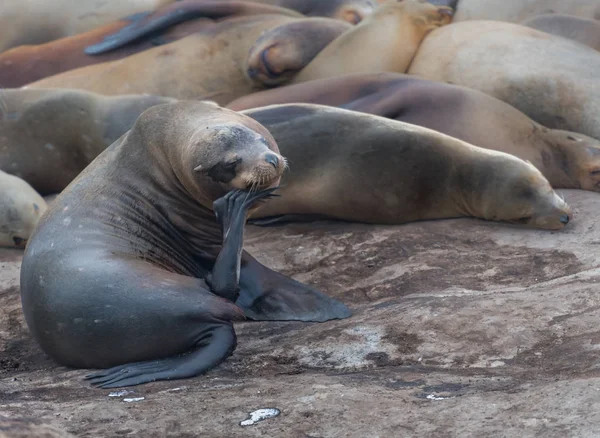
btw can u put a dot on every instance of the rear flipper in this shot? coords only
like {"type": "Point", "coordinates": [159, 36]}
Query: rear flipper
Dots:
{"type": "Point", "coordinates": [287, 218]}
{"type": "Point", "coordinates": [210, 351]}
{"type": "Point", "coordinates": [266, 295]}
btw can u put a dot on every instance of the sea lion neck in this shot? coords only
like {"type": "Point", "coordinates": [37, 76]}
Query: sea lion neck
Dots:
{"type": "Point", "coordinates": [187, 210]}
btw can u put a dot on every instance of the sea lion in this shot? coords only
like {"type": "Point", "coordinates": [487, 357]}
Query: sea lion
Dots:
{"type": "Point", "coordinates": [47, 137]}
{"type": "Point", "coordinates": [40, 21]}
{"type": "Point", "coordinates": [351, 11]}
{"type": "Point", "coordinates": [516, 11]}
{"type": "Point", "coordinates": [280, 53]}
{"type": "Point", "coordinates": [583, 30]}
{"type": "Point", "coordinates": [20, 210]}
{"type": "Point", "coordinates": [551, 79]}
{"type": "Point", "coordinates": [211, 64]}
{"type": "Point", "coordinates": [26, 64]}
{"type": "Point", "coordinates": [359, 167]}
{"type": "Point", "coordinates": [386, 41]}
{"type": "Point", "coordinates": [131, 250]}
{"type": "Point", "coordinates": [566, 159]}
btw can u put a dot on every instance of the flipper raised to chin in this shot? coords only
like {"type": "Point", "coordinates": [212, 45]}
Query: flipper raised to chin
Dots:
{"type": "Point", "coordinates": [266, 295]}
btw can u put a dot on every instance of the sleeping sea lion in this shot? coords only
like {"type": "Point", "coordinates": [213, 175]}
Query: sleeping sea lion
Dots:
{"type": "Point", "coordinates": [359, 167]}
{"type": "Point", "coordinates": [26, 64]}
{"type": "Point", "coordinates": [20, 210]}
{"type": "Point", "coordinates": [352, 11]}
{"type": "Point", "coordinates": [385, 41]}
{"type": "Point", "coordinates": [210, 64]}
{"type": "Point", "coordinates": [47, 137]}
{"type": "Point", "coordinates": [566, 159]}
{"type": "Point", "coordinates": [551, 79]}
{"type": "Point", "coordinates": [40, 21]}
{"type": "Point", "coordinates": [132, 250]}
{"type": "Point", "coordinates": [516, 11]}
{"type": "Point", "coordinates": [583, 30]}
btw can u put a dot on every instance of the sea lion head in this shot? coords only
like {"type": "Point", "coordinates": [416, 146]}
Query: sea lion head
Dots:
{"type": "Point", "coordinates": [351, 11]}
{"type": "Point", "coordinates": [425, 15]}
{"type": "Point", "coordinates": [279, 53]}
{"type": "Point", "coordinates": [580, 158]}
{"type": "Point", "coordinates": [20, 210]}
{"type": "Point", "coordinates": [521, 195]}
{"type": "Point", "coordinates": [213, 150]}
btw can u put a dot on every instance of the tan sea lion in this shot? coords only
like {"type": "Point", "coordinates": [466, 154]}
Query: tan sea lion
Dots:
{"type": "Point", "coordinates": [280, 53]}
{"type": "Point", "coordinates": [566, 159]}
{"type": "Point", "coordinates": [516, 11]}
{"type": "Point", "coordinates": [208, 64]}
{"type": "Point", "coordinates": [551, 79]}
{"type": "Point", "coordinates": [385, 41]}
{"type": "Point", "coordinates": [351, 11]}
{"type": "Point", "coordinates": [359, 167]}
{"type": "Point", "coordinates": [20, 210]}
{"type": "Point", "coordinates": [583, 30]}
{"type": "Point", "coordinates": [26, 64]}
{"type": "Point", "coordinates": [139, 264]}
{"type": "Point", "coordinates": [40, 21]}
{"type": "Point", "coordinates": [47, 137]}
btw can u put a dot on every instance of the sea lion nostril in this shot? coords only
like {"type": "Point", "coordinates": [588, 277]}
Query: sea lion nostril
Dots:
{"type": "Point", "coordinates": [564, 219]}
{"type": "Point", "coordinates": [272, 160]}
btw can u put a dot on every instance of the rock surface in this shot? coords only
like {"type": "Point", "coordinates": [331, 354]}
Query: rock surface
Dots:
{"type": "Point", "coordinates": [461, 328]}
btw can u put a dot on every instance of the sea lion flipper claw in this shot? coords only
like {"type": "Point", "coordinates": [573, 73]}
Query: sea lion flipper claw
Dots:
{"type": "Point", "coordinates": [266, 295]}
{"type": "Point", "coordinates": [208, 354]}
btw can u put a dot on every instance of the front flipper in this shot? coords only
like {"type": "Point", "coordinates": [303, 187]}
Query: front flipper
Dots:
{"type": "Point", "coordinates": [208, 353]}
{"type": "Point", "coordinates": [266, 295]}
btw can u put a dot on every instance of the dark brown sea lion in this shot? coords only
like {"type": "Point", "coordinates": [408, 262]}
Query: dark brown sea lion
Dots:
{"type": "Point", "coordinates": [208, 64]}
{"type": "Point", "coordinates": [40, 21]}
{"type": "Point", "coordinates": [26, 64]}
{"type": "Point", "coordinates": [551, 79]}
{"type": "Point", "coordinates": [359, 167]}
{"type": "Point", "coordinates": [566, 159]}
{"type": "Point", "coordinates": [131, 251]}
{"type": "Point", "coordinates": [47, 137]}
{"type": "Point", "coordinates": [385, 41]}
{"type": "Point", "coordinates": [583, 30]}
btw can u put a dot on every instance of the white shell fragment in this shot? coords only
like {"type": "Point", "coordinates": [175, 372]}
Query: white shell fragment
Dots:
{"type": "Point", "coordinates": [133, 399]}
{"type": "Point", "coordinates": [260, 415]}
{"type": "Point", "coordinates": [120, 393]}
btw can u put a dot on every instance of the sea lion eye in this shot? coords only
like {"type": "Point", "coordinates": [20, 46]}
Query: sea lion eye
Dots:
{"type": "Point", "coordinates": [18, 240]}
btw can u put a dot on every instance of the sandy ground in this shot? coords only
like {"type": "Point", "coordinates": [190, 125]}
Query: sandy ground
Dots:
{"type": "Point", "coordinates": [461, 328]}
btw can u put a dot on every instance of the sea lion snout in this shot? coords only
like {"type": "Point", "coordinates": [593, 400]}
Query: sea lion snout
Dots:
{"type": "Point", "coordinates": [565, 219]}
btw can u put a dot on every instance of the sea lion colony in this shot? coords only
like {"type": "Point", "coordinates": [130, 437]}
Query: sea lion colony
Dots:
{"type": "Point", "coordinates": [165, 125]}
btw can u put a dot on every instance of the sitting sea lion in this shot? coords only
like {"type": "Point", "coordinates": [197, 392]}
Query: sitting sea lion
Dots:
{"type": "Point", "coordinates": [20, 210]}
{"type": "Point", "coordinates": [40, 21]}
{"type": "Point", "coordinates": [385, 41]}
{"type": "Point", "coordinates": [47, 137]}
{"type": "Point", "coordinates": [26, 64]}
{"type": "Point", "coordinates": [566, 159]}
{"type": "Point", "coordinates": [551, 79]}
{"type": "Point", "coordinates": [583, 30]}
{"type": "Point", "coordinates": [516, 11]}
{"type": "Point", "coordinates": [359, 167]}
{"type": "Point", "coordinates": [209, 64]}
{"type": "Point", "coordinates": [131, 250]}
